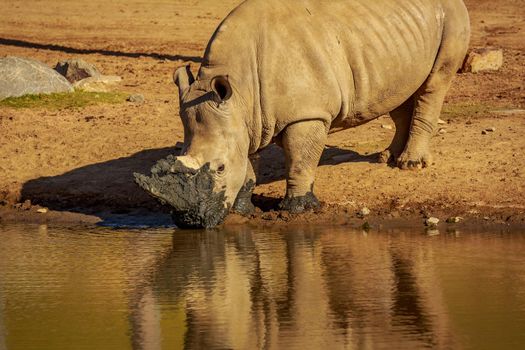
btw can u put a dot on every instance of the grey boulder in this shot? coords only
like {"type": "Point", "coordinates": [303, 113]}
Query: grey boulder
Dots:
{"type": "Point", "coordinates": [23, 76]}
{"type": "Point", "coordinates": [76, 69]}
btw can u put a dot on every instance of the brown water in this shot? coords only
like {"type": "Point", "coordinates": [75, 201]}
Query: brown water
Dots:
{"type": "Point", "coordinates": [241, 288]}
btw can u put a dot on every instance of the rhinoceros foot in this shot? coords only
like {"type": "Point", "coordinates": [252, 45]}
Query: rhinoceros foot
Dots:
{"type": "Point", "coordinates": [414, 160]}
{"type": "Point", "coordinates": [243, 204]}
{"type": "Point", "coordinates": [299, 204]}
{"type": "Point", "coordinates": [188, 191]}
{"type": "Point", "coordinates": [389, 156]}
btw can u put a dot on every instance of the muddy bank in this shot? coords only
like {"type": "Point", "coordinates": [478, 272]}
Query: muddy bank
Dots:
{"type": "Point", "coordinates": [78, 162]}
{"type": "Point", "coordinates": [388, 217]}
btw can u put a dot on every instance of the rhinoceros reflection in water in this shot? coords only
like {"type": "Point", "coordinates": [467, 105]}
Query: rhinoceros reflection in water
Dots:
{"type": "Point", "coordinates": [249, 290]}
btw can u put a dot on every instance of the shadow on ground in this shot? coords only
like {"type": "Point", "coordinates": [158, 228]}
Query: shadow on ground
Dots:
{"type": "Point", "coordinates": [271, 161]}
{"type": "Point", "coordinates": [108, 190]}
{"type": "Point", "coordinates": [72, 50]}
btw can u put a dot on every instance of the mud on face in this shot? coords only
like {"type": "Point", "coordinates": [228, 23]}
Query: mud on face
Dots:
{"type": "Point", "coordinates": [188, 191]}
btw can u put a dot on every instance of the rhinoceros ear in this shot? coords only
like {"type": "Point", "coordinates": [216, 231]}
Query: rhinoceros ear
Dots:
{"type": "Point", "coordinates": [183, 78]}
{"type": "Point", "coordinates": [221, 86]}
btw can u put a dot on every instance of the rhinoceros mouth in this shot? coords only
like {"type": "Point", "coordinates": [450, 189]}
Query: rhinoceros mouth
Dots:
{"type": "Point", "coordinates": [189, 192]}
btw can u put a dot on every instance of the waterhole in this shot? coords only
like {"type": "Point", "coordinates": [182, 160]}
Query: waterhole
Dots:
{"type": "Point", "coordinates": [249, 288]}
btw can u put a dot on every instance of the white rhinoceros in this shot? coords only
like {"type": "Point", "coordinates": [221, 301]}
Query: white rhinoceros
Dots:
{"type": "Point", "coordinates": [293, 71]}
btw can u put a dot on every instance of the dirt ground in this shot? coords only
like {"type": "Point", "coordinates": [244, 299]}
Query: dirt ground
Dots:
{"type": "Point", "coordinates": [81, 160]}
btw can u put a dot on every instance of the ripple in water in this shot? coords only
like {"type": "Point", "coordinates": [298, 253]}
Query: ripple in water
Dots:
{"type": "Point", "coordinates": [245, 288]}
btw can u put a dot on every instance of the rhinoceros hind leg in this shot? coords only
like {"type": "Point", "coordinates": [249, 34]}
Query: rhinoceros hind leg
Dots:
{"type": "Point", "coordinates": [303, 144]}
{"type": "Point", "coordinates": [429, 100]}
{"type": "Point", "coordinates": [430, 96]}
{"type": "Point", "coordinates": [402, 117]}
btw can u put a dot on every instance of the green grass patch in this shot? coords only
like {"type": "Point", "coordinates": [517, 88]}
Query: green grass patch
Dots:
{"type": "Point", "coordinates": [76, 99]}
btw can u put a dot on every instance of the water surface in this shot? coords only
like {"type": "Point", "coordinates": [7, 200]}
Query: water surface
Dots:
{"type": "Point", "coordinates": [245, 288]}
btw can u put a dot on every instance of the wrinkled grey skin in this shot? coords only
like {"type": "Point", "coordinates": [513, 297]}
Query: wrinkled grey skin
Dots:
{"type": "Point", "coordinates": [293, 71]}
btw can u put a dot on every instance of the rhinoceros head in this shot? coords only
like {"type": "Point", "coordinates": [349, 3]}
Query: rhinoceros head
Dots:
{"type": "Point", "coordinates": [215, 132]}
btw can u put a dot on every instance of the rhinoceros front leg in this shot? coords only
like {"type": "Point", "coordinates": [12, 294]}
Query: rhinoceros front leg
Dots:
{"type": "Point", "coordinates": [243, 203]}
{"type": "Point", "coordinates": [303, 144]}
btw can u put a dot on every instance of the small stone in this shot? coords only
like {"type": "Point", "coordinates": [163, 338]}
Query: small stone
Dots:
{"type": "Point", "coordinates": [454, 220]}
{"type": "Point", "coordinates": [432, 221]}
{"type": "Point", "coordinates": [42, 210]}
{"type": "Point", "coordinates": [26, 205]}
{"type": "Point", "coordinates": [387, 127]}
{"type": "Point", "coordinates": [266, 216]}
{"type": "Point", "coordinates": [442, 131]}
{"type": "Point", "coordinates": [441, 122]}
{"type": "Point", "coordinates": [479, 60]}
{"type": "Point", "coordinates": [98, 83]}
{"type": "Point", "coordinates": [364, 211]}
{"type": "Point", "coordinates": [487, 130]}
{"type": "Point", "coordinates": [136, 98]}
{"type": "Point", "coordinates": [285, 216]}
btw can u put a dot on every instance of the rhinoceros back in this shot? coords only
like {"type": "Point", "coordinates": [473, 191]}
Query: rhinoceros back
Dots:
{"type": "Point", "coordinates": [347, 61]}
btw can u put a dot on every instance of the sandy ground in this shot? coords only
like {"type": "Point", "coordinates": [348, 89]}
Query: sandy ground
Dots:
{"type": "Point", "coordinates": [81, 160]}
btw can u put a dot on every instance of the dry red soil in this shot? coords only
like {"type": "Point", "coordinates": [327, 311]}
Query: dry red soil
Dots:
{"type": "Point", "coordinates": [81, 160]}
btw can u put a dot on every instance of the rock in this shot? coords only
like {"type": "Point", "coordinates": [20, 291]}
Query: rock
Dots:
{"type": "Point", "coordinates": [364, 211]}
{"type": "Point", "coordinates": [454, 220]}
{"type": "Point", "coordinates": [136, 98]}
{"type": "Point", "coordinates": [42, 210]}
{"type": "Point", "coordinates": [97, 84]}
{"type": "Point", "coordinates": [432, 221]}
{"type": "Point", "coordinates": [387, 127]}
{"type": "Point", "coordinates": [267, 216]}
{"type": "Point", "coordinates": [76, 69]}
{"type": "Point", "coordinates": [442, 131]}
{"type": "Point", "coordinates": [26, 205]}
{"type": "Point", "coordinates": [441, 122]}
{"type": "Point", "coordinates": [22, 76]}
{"type": "Point", "coordinates": [479, 60]}
{"type": "Point", "coordinates": [486, 131]}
